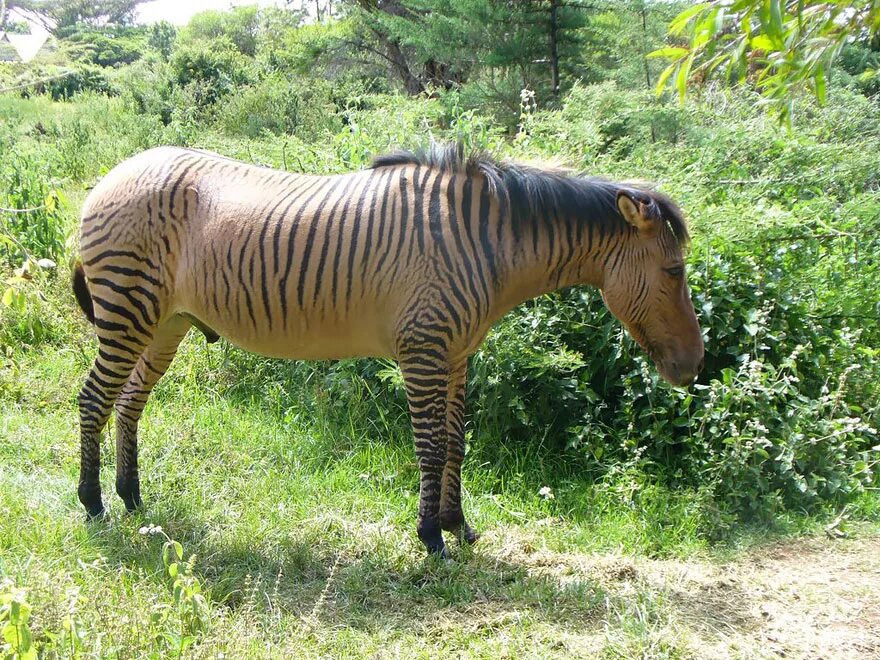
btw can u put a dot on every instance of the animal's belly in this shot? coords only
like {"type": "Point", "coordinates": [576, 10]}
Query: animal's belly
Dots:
{"type": "Point", "coordinates": [305, 338]}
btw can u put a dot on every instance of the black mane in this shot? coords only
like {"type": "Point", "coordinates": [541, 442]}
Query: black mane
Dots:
{"type": "Point", "coordinates": [533, 192]}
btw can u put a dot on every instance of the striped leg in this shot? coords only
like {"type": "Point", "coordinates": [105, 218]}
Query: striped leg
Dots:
{"type": "Point", "coordinates": [426, 391]}
{"type": "Point", "coordinates": [451, 515]}
{"type": "Point", "coordinates": [117, 356]}
{"type": "Point", "coordinates": [152, 365]}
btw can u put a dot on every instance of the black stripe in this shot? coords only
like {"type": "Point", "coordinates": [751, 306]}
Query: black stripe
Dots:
{"type": "Point", "coordinates": [121, 311]}
{"type": "Point", "coordinates": [121, 253]}
{"type": "Point", "coordinates": [97, 228]}
{"type": "Point", "coordinates": [318, 185]}
{"type": "Point", "coordinates": [385, 190]}
{"type": "Point", "coordinates": [485, 242]}
{"type": "Point", "coordinates": [328, 233]}
{"type": "Point", "coordinates": [127, 292]}
{"type": "Point", "coordinates": [240, 273]}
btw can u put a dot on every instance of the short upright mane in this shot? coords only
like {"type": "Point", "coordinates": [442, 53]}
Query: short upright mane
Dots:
{"type": "Point", "coordinates": [533, 192]}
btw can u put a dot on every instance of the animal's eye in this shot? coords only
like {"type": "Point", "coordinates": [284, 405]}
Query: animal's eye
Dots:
{"type": "Point", "coordinates": [675, 271]}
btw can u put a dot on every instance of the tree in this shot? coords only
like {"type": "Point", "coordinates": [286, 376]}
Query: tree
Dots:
{"type": "Point", "coordinates": [161, 36]}
{"type": "Point", "coordinates": [57, 15]}
{"type": "Point", "coordinates": [441, 43]}
{"type": "Point", "coordinates": [782, 46]}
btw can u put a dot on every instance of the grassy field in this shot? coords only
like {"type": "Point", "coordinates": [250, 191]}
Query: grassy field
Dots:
{"type": "Point", "coordinates": [299, 532]}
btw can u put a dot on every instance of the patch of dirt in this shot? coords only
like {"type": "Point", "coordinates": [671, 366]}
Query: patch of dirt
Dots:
{"type": "Point", "coordinates": [809, 598]}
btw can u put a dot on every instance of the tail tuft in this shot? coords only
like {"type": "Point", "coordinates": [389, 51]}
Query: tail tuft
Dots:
{"type": "Point", "coordinates": [81, 291]}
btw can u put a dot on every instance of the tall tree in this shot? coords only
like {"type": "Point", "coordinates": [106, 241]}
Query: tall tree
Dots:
{"type": "Point", "coordinates": [57, 15]}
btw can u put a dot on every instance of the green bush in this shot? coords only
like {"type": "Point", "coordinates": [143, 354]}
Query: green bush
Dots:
{"type": "Point", "coordinates": [31, 218]}
{"type": "Point", "coordinates": [83, 78]}
{"type": "Point", "coordinates": [281, 106]}
{"type": "Point", "coordinates": [212, 69]}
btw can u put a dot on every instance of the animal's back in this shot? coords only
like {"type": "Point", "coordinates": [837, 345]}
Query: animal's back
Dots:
{"type": "Point", "coordinates": [263, 257]}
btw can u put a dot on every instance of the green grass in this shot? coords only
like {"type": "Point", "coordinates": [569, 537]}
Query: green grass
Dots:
{"type": "Point", "coordinates": [302, 524]}
{"type": "Point", "coordinates": [298, 499]}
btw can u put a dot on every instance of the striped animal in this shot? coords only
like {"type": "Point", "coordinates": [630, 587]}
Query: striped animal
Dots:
{"type": "Point", "coordinates": [413, 259]}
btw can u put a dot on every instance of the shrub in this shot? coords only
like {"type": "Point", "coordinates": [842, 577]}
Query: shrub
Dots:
{"type": "Point", "coordinates": [280, 105]}
{"type": "Point", "coordinates": [211, 69]}
{"type": "Point", "coordinates": [31, 219]}
{"type": "Point", "coordinates": [83, 78]}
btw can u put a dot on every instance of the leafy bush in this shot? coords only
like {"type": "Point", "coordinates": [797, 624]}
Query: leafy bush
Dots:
{"type": "Point", "coordinates": [211, 69]}
{"type": "Point", "coordinates": [31, 213]}
{"type": "Point", "coordinates": [280, 105]}
{"type": "Point", "coordinates": [83, 78]}
{"type": "Point", "coordinates": [238, 27]}
{"type": "Point", "coordinates": [109, 46]}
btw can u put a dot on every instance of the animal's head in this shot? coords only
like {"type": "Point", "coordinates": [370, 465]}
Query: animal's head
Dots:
{"type": "Point", "coordinates": [645, 285]}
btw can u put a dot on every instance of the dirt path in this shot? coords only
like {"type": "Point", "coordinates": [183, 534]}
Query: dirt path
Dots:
{"type": "Point", "coordinates": [811, 598]}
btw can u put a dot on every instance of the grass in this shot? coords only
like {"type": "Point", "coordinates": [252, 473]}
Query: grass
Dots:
{"type": "Point", "coordinates": [301, 522]}
{"type": "Point", "coordinates": [295, 504]}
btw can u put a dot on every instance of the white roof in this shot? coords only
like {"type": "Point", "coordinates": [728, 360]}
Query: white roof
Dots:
{"type": "Point", "coordinates": [26, 45]}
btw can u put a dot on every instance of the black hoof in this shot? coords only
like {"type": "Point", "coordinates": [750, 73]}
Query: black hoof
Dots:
{"type": "Point", "coordinates": [467, 536]}
{"type": "Point", "coordinates": [130, 492]}
{"type": "Point", "coordinates": [432, 537]}
{"type": "Point", "coordinates": [461, 530]}
{"type": "Point", "coordinates": [93, 515]}
{"type": "Point", "coordinates": [132, 504]}
{"type": "Point", "coordinates": [90, 497]}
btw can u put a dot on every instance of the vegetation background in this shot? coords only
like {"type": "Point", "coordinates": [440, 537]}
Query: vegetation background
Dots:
{"type": "Point", "coordinates": [281, 495]}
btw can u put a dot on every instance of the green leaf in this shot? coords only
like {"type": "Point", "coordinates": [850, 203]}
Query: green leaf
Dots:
{"type": "Point", "coordinates": [762, 42]}
{"type": "Point", "coordinates": [682, 76]}
{"type": "Point", "coordinates": [661, 81]}
{"type": "Point", "coordinates": [671, 52]}
{"type": "Point", "coordinates": [820, 84]}
{"type": "Point", "coordinates": [679, 22]}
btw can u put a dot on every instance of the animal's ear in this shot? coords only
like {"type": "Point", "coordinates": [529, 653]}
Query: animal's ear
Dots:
{"type": "Point", "coordinates": [636, 212]}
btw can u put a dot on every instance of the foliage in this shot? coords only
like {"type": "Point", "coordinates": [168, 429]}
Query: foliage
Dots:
{"type": "Point", "coordinates": [30, 213]}
{"type": "Point", "coordinates": [280, 105]}
{"type": "Point", "coordinates": [107, 46]}
{"type": "Point", "coordinates": [210, 70]}
{"type": "Point", "coordinates": [15, 612]}
{"type": "Point", "coordinates": [238, 26]}
{"type": "Point", "coordinates": [783, 46]}
{"type": "Point", "coordinates": [61, 15]}
{"type": "Point", "coordinates": [161, 37]}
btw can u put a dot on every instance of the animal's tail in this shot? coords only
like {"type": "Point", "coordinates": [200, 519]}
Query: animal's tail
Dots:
{"type": "Point", "coordinates": [81, 291]}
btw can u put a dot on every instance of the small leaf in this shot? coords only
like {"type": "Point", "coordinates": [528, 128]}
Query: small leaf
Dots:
{"type": "Point", "coordinates": [680, 21]}
{"type": "Point", "coordinates": [762, 42]}
{"type": "Point", "coordinates": [661, 81]}
{"type": "Point", "coordinates": [672, 52]}
{"type": "Point", "coordinates": [820, 84]}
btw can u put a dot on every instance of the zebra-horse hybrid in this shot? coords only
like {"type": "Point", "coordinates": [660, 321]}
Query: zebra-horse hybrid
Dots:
{"type": "Point", "coordinates": [413, 259]}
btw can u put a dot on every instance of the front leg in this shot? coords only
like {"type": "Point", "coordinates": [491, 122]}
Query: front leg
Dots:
{"type": "Point", "coordinates": [451, 514]}
{"type": "Point", "coordinates": [426, 392]}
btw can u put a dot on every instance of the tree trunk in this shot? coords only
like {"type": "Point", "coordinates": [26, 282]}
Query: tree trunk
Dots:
{"type": "Point", "coordinates": [554, 47]}
{"type": "Point", "coordinates": [398, 61]}
{"type": "Point", "coordinates": [643, 12]}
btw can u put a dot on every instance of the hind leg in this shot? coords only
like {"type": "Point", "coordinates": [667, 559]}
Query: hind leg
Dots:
{"type": "Point", "coordinates": [117, 355]}
{"type": "Point", "coordinates": [451, 515]}
{"type": "Point", "coordinates": [151, 366]}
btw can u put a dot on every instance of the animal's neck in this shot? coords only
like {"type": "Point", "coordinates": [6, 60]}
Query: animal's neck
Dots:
{"type": "Point", "coordinates": [546, 254]}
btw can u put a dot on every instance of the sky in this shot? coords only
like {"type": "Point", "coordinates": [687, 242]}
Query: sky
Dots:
{"type": "Point", "coordinates": [180, 11]}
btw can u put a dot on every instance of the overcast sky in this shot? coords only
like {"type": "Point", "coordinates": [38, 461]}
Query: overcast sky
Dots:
{"type": "Point", "coordinates": [180, 11]}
